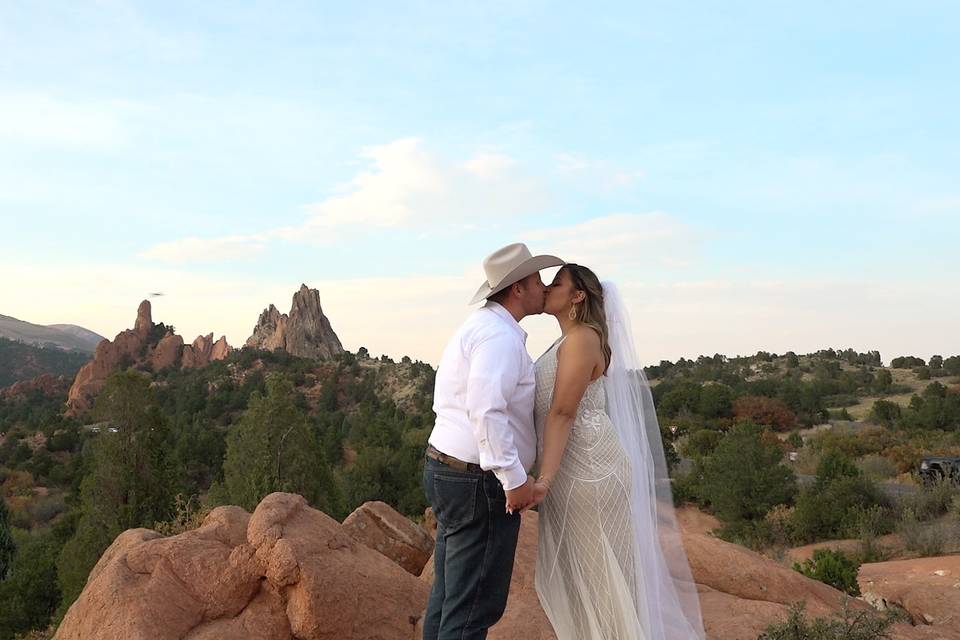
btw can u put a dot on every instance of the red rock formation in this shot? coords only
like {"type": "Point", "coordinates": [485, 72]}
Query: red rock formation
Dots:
{"type": "Point", "coordinates": [124, 350]}
{"type": "Point", "coordinates": [166, 353]}
{"type": "Point", "coordinates": [287, 571]}
{"type": "Point", "coordinates": [133, 347]}
{"type": "Point", "coordinates": [204, 350]}
{"type": "Point", "coordinates": [306, 332]}
{"type": "Point", "coordinates": [380, 527]}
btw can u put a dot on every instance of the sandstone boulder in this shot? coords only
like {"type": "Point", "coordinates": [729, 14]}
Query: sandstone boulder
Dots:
{"type": "Point", "coordinates": [378, 526]}
{"type": "Point", "coordinates": [286, 571]}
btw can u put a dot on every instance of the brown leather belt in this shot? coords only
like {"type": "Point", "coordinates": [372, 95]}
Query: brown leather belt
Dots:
{"type": "Point", "coordinates": [450, 461]}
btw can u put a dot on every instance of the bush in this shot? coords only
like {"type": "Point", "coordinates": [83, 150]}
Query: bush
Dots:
{"type": "Point", "coordinates": [795, 440]}
{"type": "Point", "coordinates": [829, 508]}
{"type": "Point", "coordinates": [701, 443]}
{"type": "Point", "coordinates": [187, 515]}
{"type": "Point", "coordinates": [885, 412]}
{"type": "Point", "coordinates": [925, 539]}
{"type": "Point", "coordinates": [833, 568]}
{"type": "Point", "coordinates": [764, 411]}
{"type": "Point", "coordinates": [876, 467]}
{"type": "Point", "coordinates": [931, 501]}
{"type": "Point", "coordinates": [846, 625]}
{"type": "Point", "coordinates": [871, 523]}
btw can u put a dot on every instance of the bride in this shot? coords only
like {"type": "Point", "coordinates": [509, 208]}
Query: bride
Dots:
{"type": "Point", "coordinates": [611, 565]}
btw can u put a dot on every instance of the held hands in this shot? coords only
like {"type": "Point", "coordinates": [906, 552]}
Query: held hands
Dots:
{"type": "Point", "coordinates": [528, 494]}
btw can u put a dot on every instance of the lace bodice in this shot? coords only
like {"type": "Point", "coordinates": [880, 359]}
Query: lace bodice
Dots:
{"type": "Point", "coordinates": [594, 398]}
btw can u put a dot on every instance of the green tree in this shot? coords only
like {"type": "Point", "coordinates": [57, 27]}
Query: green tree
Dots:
{"type": "Point", "coordinates": [885, 412]}
{"type": "Point", "coordinates": [883, 381]}
{"type": "Point", "coordinates": [30, 594]}
{"type": "Point", "coordinates": [952, 365]}
{"type": "Point", "coordinates": [745, 477]}
{"type": "Point", "coordinates": [130, 481]}
{"type": "Point", "coordinates": [7, 546]}
{"type": "Point", "coordinates": [716, 401]}
{"type": "Point", "coordinates": [275, 447]}
{"type": "Point", "coordinates": [831, 507]}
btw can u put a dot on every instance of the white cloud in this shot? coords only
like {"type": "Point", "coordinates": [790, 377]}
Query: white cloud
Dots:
{"type": "Point", "coordinates": [623, 242]}
{"type": "Point", "coordinates": [205, 249]}
{"type": "Point", "coordinates": [404, 186]}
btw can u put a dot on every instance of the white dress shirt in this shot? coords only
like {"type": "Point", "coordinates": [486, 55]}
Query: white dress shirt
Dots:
{"type": "Point", "coordinates": [484, 396]}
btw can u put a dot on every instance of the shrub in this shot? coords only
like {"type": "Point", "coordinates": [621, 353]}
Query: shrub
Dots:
{"type": "Point", "coordinates": [871, 522]}
{"type": "Point", "coordinates": [701, 443]}
{"type": "Point", "coordinates": [848, 624]}
{"type": "Point", "coordinates": [884, 412]}
{"type": "Point", "coordinates": [924, 539]}
{"type": "Point", "coordinates": [187, 515]}
{"type": "Point", "coordinates": [876, 467]}
{"type": "Point", "coordinates": [795, 440]}
{"type": "Point", "coordinates": [832, 567]}
{"type": "Point", "coordinates": [768, 412]}
{"type": "Point", "coordinates": [931, 501]}
{"type": "Point", "coordinates": [829, 508]}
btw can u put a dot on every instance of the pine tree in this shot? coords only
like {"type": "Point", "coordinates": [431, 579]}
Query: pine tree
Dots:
{"type": "Point", "coordinates": [130, 481]}
{"type": "Point", "coordinates": [275, 447]}
{"type": "Point", "coordinates": [7, 546]}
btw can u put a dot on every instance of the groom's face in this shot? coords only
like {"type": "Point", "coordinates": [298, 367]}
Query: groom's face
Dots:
{"type": "Point", "coordinates": [534, 294]}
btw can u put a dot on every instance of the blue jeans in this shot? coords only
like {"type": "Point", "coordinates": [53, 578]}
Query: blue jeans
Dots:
{"type": "Point", "coordinates": [473, 557]}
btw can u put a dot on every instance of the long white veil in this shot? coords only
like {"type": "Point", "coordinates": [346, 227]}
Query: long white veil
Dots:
{"type": "Point", "coordinates": [669, 602]}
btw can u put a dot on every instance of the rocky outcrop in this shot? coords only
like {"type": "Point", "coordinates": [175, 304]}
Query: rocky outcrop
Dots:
{"type": "Point", "coordinates": [305, 332]}
{"type": "Point", "coordinates": [134, 347]}
{"type": "Point", "coordinates": [286, 571]}
{"type": "Point", "coordinates": [380, 527]}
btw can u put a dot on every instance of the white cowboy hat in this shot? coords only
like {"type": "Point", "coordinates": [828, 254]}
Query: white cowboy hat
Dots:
{"type": "Point", "coordinates": [508, 265]}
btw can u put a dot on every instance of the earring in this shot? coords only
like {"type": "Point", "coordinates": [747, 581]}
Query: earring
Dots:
{"type": "Point", "coordinates": [573, 312]}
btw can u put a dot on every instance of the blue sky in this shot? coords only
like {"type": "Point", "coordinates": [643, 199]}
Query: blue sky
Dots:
{"type": "Point", "coordinates": [757, 175]}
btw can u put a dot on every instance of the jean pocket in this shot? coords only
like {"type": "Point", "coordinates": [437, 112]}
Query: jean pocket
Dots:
{"type": "Point", "coordinates": [455, 499]}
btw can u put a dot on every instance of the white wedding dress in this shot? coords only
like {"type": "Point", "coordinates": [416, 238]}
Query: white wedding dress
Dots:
{"type": "Point", "coordinates": [610, 564]}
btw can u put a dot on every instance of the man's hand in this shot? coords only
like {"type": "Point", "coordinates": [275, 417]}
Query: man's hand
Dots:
{"type": "Point", "coordinates": [520, 498]}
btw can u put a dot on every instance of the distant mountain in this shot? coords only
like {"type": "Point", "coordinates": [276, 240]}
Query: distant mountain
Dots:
{"type": "Point", "coordinates": [68, 337]}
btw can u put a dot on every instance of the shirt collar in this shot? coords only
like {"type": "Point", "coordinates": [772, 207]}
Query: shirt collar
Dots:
{"type": "Point", "coordinates": [499, 309]}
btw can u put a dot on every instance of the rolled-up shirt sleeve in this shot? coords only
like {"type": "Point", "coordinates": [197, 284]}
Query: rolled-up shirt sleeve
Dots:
{"type": "Point", "coordinates": [494, 374]}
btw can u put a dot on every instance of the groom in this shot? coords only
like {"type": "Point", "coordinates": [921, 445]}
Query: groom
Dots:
{"type": "Point", "coordinates": [482, 446]}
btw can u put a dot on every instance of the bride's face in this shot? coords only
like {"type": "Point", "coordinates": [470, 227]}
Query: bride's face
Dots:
{"type": "Point", "coordinates": [560, 294]}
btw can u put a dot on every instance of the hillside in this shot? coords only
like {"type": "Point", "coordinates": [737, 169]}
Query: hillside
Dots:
{"type": "Point", "coordinates": [20, 361]}
{"type": "Point", "coordinates": [61, 336]}
{"type": "Point", "coordinates": [767, 444]}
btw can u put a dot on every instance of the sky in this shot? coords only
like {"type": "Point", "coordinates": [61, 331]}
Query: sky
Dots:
{"type": "Point", "coordinates": [754, 175]}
